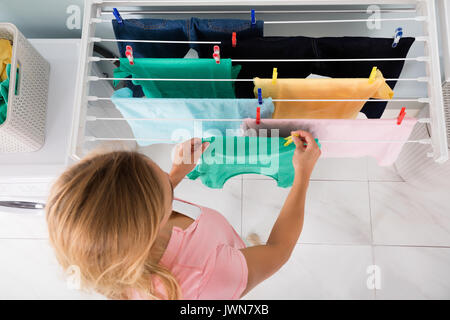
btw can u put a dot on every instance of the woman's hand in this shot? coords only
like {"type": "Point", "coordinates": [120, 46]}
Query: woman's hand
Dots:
{"type": "Point", "coordinates": [185, 159]}
{"type": "Point", "coordinates": [306, 154]}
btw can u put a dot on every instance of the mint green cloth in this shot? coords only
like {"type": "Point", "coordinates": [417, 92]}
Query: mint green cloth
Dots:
{"type": "Point", "coordinates": [178, 68]}
{"type": "Point", "coordinates": [227, 157]}
{"type": "Point", "coordinates": [4, 88]}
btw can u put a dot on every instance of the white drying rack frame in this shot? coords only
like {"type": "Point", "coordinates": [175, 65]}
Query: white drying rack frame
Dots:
{"type": "Point", "coordinates": [425, 9]}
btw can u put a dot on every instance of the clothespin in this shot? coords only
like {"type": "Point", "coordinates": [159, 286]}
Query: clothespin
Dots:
{"type": "Point", "coordinates": [258, 115]}
{"type": "Point", "coordinates": [397, 37]}
{"type": "Point", "coordinates": [216, 54]}
{"type": "Point", "coordinates": [274, 75]}
{"type": "Point", "coordinates": [401, 115]}
{"type": "Point", "coordinates": [129, 54]}
{"type": "Point", "coordinates": [233, 39]}
{"type": "Point", "coordinates": [373, 74]}
{"type": "Point", "coordinates": [258, 109]}
{"type": "Point", "coordinates": [117, 15]}
{"type": "Point", "coordinates": [253, 17]}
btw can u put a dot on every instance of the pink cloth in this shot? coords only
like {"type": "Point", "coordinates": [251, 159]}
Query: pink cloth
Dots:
{"type": "Point", "coordinates": [205, 259]}
{"type": "Point", "coordinates": [345, 129]}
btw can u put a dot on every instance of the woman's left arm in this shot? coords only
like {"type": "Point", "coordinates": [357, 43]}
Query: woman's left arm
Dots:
{"type": "Point", "coordinates": [185, 159]}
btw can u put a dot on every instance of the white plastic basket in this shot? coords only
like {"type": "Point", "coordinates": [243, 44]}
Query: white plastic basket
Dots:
{"type": "Point", "coordinates": [24, 127]}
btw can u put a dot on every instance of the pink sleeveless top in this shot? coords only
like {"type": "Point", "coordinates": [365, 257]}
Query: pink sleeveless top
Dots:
{"type": "Point", "coordinates": [205, 259]}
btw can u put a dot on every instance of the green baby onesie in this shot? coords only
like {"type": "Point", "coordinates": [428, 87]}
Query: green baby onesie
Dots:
{"type": "Point", "coordinates": [227, 157]}
{"type": "Point", "coordinates": [174, 68]}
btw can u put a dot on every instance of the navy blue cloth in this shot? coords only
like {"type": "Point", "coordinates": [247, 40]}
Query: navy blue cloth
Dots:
{"type": "Point", "coordinates": [193, 29]}
{"type": "Point", "coordinates": [222, 30]}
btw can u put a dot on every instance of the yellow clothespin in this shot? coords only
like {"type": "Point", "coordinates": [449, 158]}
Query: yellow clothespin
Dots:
{"type": "Point", "coordinates": [274, 76]}
{"type": "Point", "coordinates": [289, 140]}
{"type": "Point", "coordinates": [373, 74]}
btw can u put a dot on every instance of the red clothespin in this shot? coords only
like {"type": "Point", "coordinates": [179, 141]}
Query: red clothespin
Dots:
{"type": "Point", "coordinates": [258, 115]}
{"type": "Point", "coordinates": [233, 39]}
{"type": "Point", "coordinates": [129, 54]}
{"type": "Point", "coordinates": [216, 54]}
{"type": "Point", "coordinates": [401, 115]}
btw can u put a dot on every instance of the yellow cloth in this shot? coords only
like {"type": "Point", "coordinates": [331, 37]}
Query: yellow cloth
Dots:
{"type": "Point", "coordinates": [336, 88]}
{"type": "Point", "coordinates": [5, 57]}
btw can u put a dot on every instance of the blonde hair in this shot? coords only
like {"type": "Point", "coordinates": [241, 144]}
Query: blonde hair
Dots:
{"type": "Point", "coordinates": [103, 216]}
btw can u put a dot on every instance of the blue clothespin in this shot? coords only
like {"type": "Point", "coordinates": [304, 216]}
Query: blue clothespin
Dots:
{"type": "Point", "coordinates": [397, 37]}
{"type": "Point", "coordinates": [117, 15]}
{"type": "Point", "coordinates": [258, 108]}
{"type": "Point", "coordinates": [253, 17]}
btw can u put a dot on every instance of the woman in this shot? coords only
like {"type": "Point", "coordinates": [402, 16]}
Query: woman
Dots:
{"type": "Point", "coordinates": [111, 216]}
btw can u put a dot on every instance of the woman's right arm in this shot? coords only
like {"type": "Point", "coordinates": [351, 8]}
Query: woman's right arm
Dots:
{"type": "Point", "coordinates": [265, 260]}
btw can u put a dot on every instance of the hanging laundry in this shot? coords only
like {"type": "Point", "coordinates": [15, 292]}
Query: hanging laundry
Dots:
{"type": "Point", "coordinates": [341, 130]}
{"type": "Point", "coordinates": [180, 69]}
{"type": "Point", "coordinates": [5, 57]}
{"type": "Point", "coordinates": [315, 48]}
{"type": "Point", "coordinates": [139, 108]}
{"type": "Point", "coordinates": [266, 48]}
{"type": "Point", "coordinates": [153, 29]}
{"type": "Point", "coordinates": [322, 89]}
{"type": "Point", "coordinates": [193, 29]}
{"type": "Point", "coordinates": [227, 157]}
{"type": "Point", "coordinates": [362, 47]}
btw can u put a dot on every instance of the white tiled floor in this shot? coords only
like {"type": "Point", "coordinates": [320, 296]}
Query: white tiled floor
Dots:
{"type": "Point", "coordinates": [357, 215]}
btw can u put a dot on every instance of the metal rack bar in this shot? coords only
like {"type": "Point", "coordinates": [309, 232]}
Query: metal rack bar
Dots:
{"type": "Point", "coordinates": [153, 41]}
{"type": "Point", "coordinates": [93, 118]}
{"type": "Point", "coordinates": [422, 141]}
{"type": "Point", "coordinates": [420, 59]}
{"type": "Point", "coordinates": [418, 18]}
{"type": "Point", "coordinates": [420, 100]}
{"type": "Point", "coordinates": [95, 78]}
{"type": "Point", "coordinates": [393, 10]}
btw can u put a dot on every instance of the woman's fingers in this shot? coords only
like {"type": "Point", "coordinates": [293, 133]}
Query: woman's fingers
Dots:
{"type": "Point", "coordinates": [302, 137]}
{"type": "Point", "coordinates": [197, 149]}
{"type": "Point", "coordinates": [299, 143]}
{"type": "Point", "coordinates": [195, 143]}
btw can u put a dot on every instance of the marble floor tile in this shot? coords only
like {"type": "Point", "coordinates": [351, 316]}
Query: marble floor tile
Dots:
{"type": "Point", "coordinates": [340, 169]}
{"type": "Point", "coordinates": [405, 215]}
{"type": "Point", "coordinates": [320, 272]}
{"type": "Point", "coordinates": [337, 212]}
{"type": "Point", "coordinates": [377, 173]}
{"type": "Point", "coordinates": [227, 201]}
{"type": "Point", "coordinates": [413, 272]}
{"type": "Point", "coordinates": [331, 169]}
{"type": "Point", "coordinates": [29, 270]}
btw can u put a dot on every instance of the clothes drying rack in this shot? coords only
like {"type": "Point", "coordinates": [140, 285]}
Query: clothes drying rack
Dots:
{"type": "Point", "coordinates": [99, 12]}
